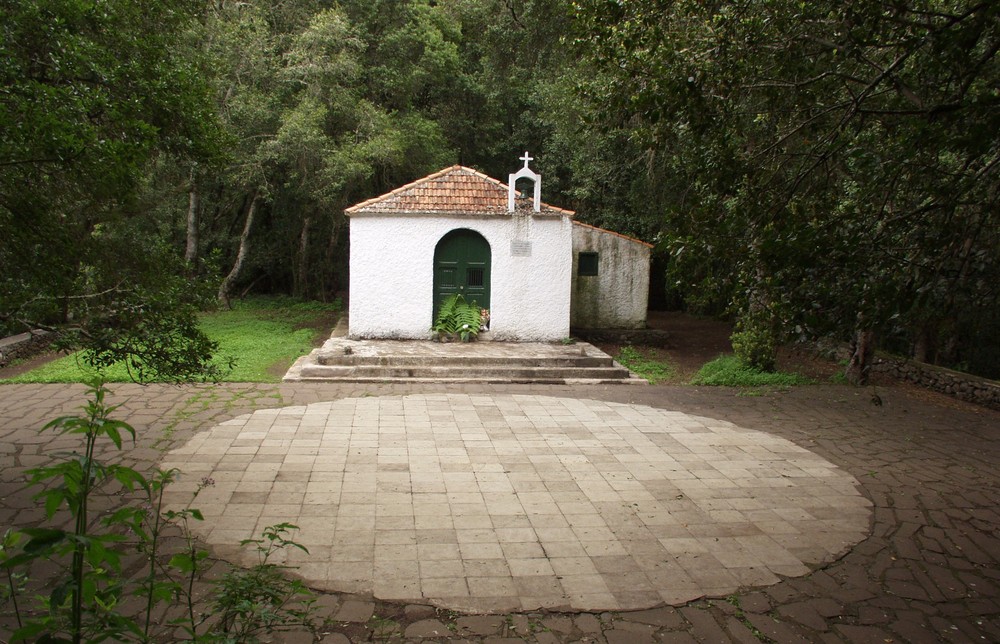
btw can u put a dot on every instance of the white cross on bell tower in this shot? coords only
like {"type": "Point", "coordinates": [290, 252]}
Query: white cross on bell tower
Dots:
{"type": "Point", "coordinates": [524, 173]}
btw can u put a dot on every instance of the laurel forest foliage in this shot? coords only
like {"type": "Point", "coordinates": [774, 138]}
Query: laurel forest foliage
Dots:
{"type": "Point", "coordinates": [826, 168]}
{"type": "Point", "coordinates": [821, 169]}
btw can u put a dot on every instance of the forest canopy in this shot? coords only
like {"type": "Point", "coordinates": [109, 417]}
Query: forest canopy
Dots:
{"type": "Point", "coordinates": [810, 170]}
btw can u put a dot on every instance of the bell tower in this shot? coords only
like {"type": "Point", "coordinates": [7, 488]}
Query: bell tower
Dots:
{"type": "Point", "coordinates": [524, 173]}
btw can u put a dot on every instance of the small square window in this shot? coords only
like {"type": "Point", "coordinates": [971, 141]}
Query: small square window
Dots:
{"type": "Point", "coordinates": [588, 264]}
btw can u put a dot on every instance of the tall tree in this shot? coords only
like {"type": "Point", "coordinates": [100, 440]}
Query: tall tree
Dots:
{"type": "Point", "coordinates": [316, 128]}
{"type": "Point", "coordinates": [92, 93]}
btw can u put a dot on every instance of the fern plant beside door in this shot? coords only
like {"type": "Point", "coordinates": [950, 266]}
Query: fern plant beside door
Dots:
{"type": "Point", "coordinates": [458, 319]}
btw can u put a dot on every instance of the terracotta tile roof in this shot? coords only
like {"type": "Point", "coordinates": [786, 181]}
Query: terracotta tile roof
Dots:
{"type": "Point", "coordinates": [454, 190]}
{"type": "Point", "coordinates": [611, 232]}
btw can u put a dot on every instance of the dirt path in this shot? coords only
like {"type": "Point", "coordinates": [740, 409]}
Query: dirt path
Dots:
{"type": "Point", "coordinates": [24, 366]}
{"type": "Point", "coordinates": [695, 340]}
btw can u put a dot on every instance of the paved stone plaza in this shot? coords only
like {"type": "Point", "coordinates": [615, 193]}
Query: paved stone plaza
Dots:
{"type": "Point", "coordinates": [926, 566]}
{"type": "Point", "coordinates": [490, 503]}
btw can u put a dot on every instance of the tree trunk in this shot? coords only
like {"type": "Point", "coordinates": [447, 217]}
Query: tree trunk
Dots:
{"type": "Point", "coordinates": [302, 277]}
{"type": "Point", "coordinates": [862, 353]}
{"type": "Point", "coordinates": [755, 341]}
{"type": "Point", "coordinates": [329, 286]}
{"type": "Point", "coordinates": [191, 250]}
{"type": "Point", "coordinates": [923, 346]}
{"type": "Point", "coordinates": [227, 284]}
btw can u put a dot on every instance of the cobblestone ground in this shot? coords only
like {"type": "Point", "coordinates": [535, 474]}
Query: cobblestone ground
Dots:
{"type": "Point", "coordinates": [928, 572]}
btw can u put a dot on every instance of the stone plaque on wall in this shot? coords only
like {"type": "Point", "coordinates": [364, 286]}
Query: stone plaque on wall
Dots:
{"type": "Point", "coordinates": [520, 248]}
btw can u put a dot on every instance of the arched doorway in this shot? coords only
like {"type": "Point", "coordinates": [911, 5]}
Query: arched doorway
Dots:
{"type": "Point", "coordinates": [462, 265]}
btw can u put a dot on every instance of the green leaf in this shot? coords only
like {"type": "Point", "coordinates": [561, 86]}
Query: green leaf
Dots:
{"type": "Point", "coordinates": [113, 433]}
{"type": "Point", "coordinates": [130, 478]}
{"type": "Point", "coordinates": [31, 631]}
{"type": "Point", "coordinates": [48, 638]}
{"type": "Point", "coordinates": [61, 592]}
{"type": "Point", "coordinates": [43, 538]}
{"type": "Point", "coordinates": [182, 562]}
{"type": "Point", "coordinates": [114, 428]}
{"type": "Point", "coordinates": [53, 501]}
{"type": "Point", "coordinates": [15, 561]}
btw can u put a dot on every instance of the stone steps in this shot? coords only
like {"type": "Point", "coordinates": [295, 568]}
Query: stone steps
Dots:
{"type": "Point", "coordinates": [400, 361]}
{"type": "Point", "coordinates": [345, 360]}
{"type": "Point", "coordinates": [509, 371]}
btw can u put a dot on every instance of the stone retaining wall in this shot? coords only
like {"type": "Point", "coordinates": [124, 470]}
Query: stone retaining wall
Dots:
{"type": "Point", "coordinates": [24, 345]}
{"type": "Point", "coordinates": [954, 383]}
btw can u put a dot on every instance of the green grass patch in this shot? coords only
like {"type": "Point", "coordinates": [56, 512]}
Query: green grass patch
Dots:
{"type": "Point", "coordinates": [651, 369]}
{"type": "Point", "coordinates": [728, 371]}
{"type": "Point", "coordinates": [263, 336]}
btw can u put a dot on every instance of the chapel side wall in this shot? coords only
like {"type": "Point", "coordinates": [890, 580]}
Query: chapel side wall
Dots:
{"type": "Point", "coordinates": [392, 275]}
{"type": "Point", "coordinates": [618, 296]}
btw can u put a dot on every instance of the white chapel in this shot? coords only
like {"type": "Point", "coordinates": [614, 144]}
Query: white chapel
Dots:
{"type": "Point", "coordinates": [459, 231]}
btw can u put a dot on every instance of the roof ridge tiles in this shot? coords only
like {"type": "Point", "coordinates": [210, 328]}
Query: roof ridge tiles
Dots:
{"type": "Point", "coordinates": [442, 191]}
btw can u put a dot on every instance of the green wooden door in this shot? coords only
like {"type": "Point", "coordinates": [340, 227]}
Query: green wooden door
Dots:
{"type": "Point", "coordinates": [462, 265]}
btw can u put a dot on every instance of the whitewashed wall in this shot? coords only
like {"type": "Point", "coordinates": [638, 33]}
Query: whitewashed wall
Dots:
{"type": "Point", "coordinates": [618, 296]}
{"type": "Point", "coordinates": [392, 274]}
